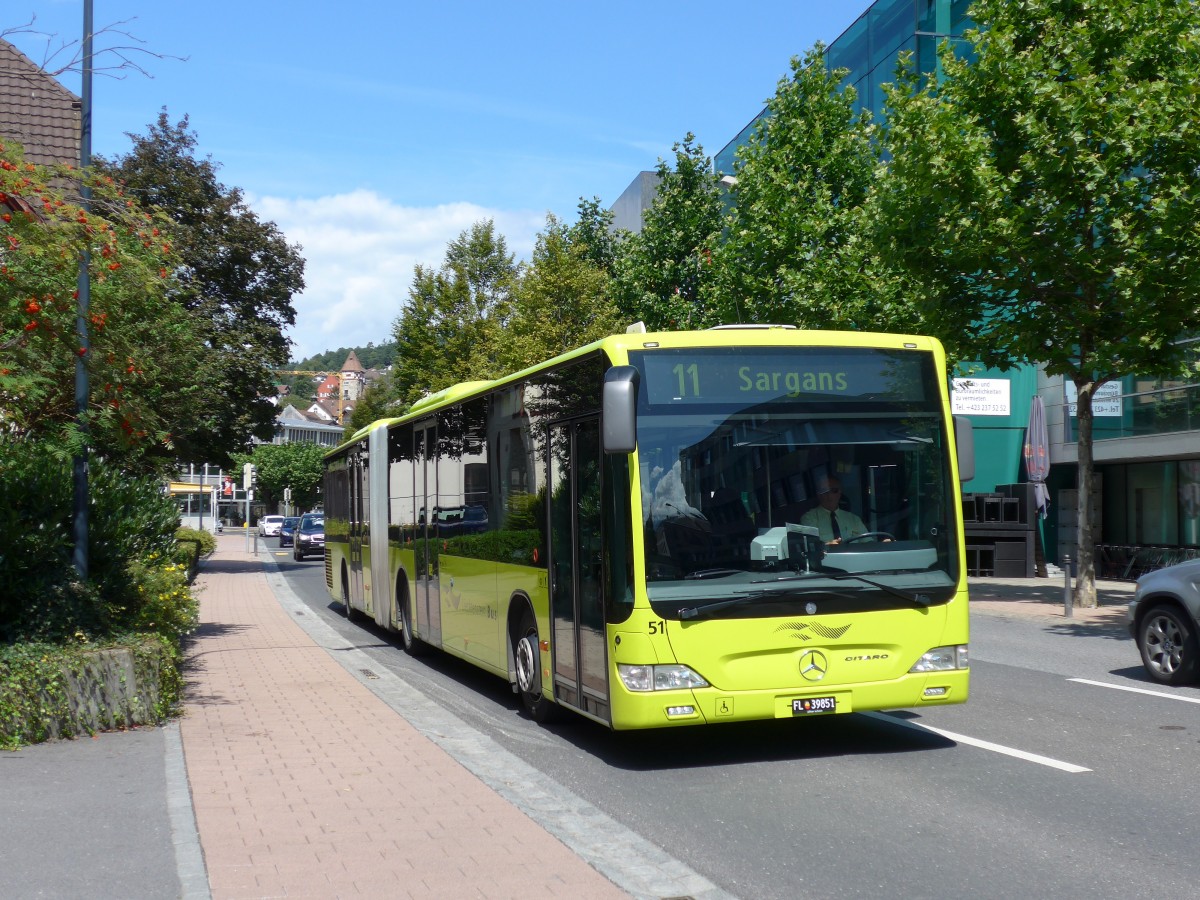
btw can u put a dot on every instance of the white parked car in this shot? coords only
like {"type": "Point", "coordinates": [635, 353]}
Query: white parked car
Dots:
{"type": "Point", "coordinates": [268, 526]}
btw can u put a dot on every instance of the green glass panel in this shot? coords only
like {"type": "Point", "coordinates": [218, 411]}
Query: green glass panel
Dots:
{"type": "Point", "coordinates": [851, 50]}
{"type": "Point", "coordinates": [892, 23]}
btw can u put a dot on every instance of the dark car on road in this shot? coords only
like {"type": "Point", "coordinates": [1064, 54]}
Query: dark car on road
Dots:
{"type": "Point", "coordinates": [287, 530]}
{"type": "Point", "coordinates": [1164, 618]}
{"type": "Point", "coordinates": [309, 537]}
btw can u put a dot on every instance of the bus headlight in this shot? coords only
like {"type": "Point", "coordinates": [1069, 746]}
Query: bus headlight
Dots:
{"type": "Point", "coordinates": [942, 659]}
{"type": "Point", "coordinates": [659, 678]}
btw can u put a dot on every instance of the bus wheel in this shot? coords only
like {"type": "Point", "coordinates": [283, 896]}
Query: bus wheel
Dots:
{"type": "Point", "coordinates": [351, 612]}
{"type": "Point", "coordinates": [529, 676]}
{"type": "Point", "coordinates": [413, 645]}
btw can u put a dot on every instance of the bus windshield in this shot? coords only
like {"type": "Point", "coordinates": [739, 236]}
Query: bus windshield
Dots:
{"type": "Point", "coordinates": [775, 478]}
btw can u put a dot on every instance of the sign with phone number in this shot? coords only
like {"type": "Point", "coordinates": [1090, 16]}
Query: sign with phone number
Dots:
{"type": "Point", "coordinates": [981, 397]}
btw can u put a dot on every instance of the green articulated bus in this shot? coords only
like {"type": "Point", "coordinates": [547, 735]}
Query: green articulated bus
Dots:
{"type": "Point", "coordinates": [633, 530]}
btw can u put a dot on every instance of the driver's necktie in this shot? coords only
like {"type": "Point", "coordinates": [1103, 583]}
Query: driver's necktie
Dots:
{"type": "Point", "coordinates": [833, 524]}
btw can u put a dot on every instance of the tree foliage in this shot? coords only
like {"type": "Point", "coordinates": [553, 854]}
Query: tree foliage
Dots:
{"type": "Point", "coordinates": [236, 275]}
{"type": "Point", "coordinates": [561, 300]}
{"type": "Point", "coordinates": [375, 404]}
{"type": "Point", "coordinates": [130, 536]}
{"type": "Point", "coordinates": [372, 356]}
{"type": "Point", "coordinates": [294, 465]}
{"type": "Point", "coordinates": [592, 235]}
{"type": "Point", "coordinates": [797, 249]}
{"type": "Point", "coordinates": [452, 324]}
{"type": "Point", "coordinates": [141, 347]}
{"type": "Point", "coordinates": [1046, 195]}
{"type": "Point", "coordinates": [663, 275]}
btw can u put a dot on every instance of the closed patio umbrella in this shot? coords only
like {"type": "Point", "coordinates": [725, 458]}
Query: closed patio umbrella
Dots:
{"type": "Point", "coordinates": [1037, 467]}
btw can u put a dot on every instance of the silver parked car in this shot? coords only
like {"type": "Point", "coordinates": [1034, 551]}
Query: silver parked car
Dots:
{"type": "Point", "coordinates": [1164, 619]}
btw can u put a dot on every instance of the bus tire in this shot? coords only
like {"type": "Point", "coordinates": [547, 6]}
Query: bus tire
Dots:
{"type": "Point", "coordinates": [413, 645]}
{"type": "Point", "coordinates": [528, 657]}
{"type": "Point", "coordinates": [350, 611]}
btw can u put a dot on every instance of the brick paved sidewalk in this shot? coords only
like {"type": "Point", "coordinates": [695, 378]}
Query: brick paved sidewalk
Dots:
{"type": "Point", "coordinates": [305, 784]}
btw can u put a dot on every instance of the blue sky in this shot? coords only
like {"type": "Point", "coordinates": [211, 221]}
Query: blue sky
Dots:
{"type": "Point", "coordinates": [374, 133]}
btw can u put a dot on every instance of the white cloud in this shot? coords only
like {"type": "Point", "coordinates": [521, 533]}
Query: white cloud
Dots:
{"type": "Point", "coordinates": [360, 250]}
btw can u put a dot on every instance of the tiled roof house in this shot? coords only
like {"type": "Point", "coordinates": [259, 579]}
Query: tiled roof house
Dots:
{"type": "Point", "coordinates": [329, 387]}
{"type": "Point", "coordinates": [36, 111]}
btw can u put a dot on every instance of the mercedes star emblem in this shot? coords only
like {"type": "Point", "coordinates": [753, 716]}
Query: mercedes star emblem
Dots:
{"type": "Point", "coordinates": [813, 665]}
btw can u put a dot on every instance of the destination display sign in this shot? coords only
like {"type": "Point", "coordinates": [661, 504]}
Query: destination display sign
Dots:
{"type": "Point", "coordinates": [759, 375]}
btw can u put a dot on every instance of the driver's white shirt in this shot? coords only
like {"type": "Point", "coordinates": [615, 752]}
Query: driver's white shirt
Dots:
{"type": "Point", "coordinates": [849, 524]}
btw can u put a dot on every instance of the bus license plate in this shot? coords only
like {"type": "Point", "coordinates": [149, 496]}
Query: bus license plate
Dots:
{"type": "Point", "coordinates": [809, 705]}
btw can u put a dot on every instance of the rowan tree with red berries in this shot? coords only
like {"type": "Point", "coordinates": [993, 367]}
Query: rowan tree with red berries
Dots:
{"type": "Point", "coordinates": [140, 348]}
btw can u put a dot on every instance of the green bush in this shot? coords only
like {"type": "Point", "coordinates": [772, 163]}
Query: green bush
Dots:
{"type": "Point", "coordinates": [164, 603]}
{"type": "Point", "coordinates": [131, 532]}
{"type": "Point", "coordinates": [206, 540]}
{"type": "Point", "coordinates": [32, 692]}
{"type": "Point", "coordinates": [35, 530]}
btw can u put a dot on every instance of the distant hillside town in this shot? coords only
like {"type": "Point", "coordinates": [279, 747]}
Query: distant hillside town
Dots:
{"type": "Point", "coordinates": [315, 402]}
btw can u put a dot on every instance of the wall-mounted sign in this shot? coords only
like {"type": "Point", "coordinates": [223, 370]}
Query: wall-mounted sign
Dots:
{"type": "Point", "coordinates": [1106, 401]}
{"type": "Point", "coordinates": [981, 397]}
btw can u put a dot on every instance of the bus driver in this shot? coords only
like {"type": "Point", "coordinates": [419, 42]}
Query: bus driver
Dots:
{"type": "Point", "coordinates": [835, 524]}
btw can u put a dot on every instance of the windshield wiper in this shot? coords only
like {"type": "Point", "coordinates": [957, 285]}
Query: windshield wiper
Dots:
{"type": "Point", "coordinates": [835, 574]}
{"type": "Point", "coordinates": [841, 575]}
{"type": "Point", "coordinates": [919, 600]}
{"type": "Point", "coordinates": [694, 612]}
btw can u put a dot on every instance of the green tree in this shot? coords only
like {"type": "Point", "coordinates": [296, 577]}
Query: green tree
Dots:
{"type": "Point", "coordinates": [450, 328]}
{"type": "Point", "coordinates": [236, 276]}
{"type": "Point", "coordinates": [1046, 196]}
{"type": "Point", "coordinates": [299, 466]}
{"type": "Point", "coordinates": [561, 300]}
{"type": "Point", "coordinates": [664, 274]}
{"type": "Point", "coordinates": [141, 348]}
{"type": "Point", "coordinates": [797, 248]}
{"type": "Point", "coordinates": [592, 235]}
{"type": "Point", "coordinates": [372, 356]}
{"type": "Point", "coordinates": [377, 403]}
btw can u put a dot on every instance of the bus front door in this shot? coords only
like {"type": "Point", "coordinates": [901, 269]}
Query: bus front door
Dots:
{"type": "Point", "coordinates": [577, 569]}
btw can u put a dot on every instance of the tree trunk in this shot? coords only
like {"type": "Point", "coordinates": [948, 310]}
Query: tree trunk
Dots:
{"type": "Point", "coordinates": [1085, 584]}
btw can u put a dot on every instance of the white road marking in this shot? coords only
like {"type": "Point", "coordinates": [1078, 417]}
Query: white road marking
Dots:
{"type": "Point", "coordinates": [983, 745]}
{"type": "Point", "coordinates": [1133, 690]}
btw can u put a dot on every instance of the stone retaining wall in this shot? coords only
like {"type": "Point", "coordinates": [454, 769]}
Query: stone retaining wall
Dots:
{"type": "Point", "coordinates": [88, 691]}
{"type": "Point", "coordinates": [106, 693]}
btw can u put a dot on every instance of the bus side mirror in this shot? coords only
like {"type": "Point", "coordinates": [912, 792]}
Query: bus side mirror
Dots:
{"type": "Point", "coordinates": [619, 413]}
{"type": "Point", "coordinates": [964, 439]}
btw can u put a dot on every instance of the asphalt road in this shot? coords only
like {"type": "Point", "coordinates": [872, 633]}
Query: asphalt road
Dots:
{"type": "Point", "coordinates": [1068, 774]}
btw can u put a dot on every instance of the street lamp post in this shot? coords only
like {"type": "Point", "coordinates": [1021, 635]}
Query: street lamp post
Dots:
{"type": "Point", "coordinates": [80, 466]}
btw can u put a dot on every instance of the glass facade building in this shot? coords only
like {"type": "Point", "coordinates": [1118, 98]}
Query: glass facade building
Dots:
{"type": "Point", "coordinates": [870, 48]}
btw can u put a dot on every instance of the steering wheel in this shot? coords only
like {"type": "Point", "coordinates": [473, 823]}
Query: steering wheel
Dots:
{"type": "Point", "coordinates": [869, 536]}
